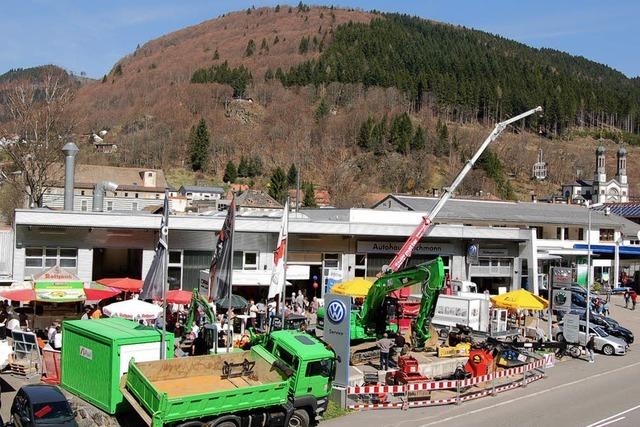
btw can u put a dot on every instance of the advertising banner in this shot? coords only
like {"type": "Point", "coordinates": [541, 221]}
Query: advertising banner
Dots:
{"type": "Point", "coordinates": [571, 328]}
{"type": "Point", "coordinates": [561, 277]}
{"type": "Point", "coordinates": [337, 333]}
{"type": "Point", "coordinates": [562, 300]}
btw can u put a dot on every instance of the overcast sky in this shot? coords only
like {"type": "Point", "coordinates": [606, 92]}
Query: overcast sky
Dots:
{"type": "Point", "coordinates": [91, 36]}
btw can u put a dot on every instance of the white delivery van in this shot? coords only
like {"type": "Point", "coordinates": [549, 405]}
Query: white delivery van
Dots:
{"type": "Point", "coordinates": [468, 310]}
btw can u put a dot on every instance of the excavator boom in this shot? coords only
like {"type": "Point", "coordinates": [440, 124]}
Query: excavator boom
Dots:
{"type": "Point", "coordinates": [198, 301]}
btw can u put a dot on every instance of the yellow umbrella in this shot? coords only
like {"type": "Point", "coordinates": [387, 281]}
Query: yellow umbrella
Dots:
{"type": "Point", "coordinates": [520, 299]}
{"type": "Point", "coordinates": [357, 287]}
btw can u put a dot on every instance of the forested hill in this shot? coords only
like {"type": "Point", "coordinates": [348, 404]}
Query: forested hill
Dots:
{"type": "Point", "coordinates": [472, 75]}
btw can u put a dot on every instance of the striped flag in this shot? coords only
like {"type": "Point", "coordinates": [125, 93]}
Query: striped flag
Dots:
{"type": "Point", "coordinates": [155, 281]}
{"type": "Point", "coordinates": [276, 287]}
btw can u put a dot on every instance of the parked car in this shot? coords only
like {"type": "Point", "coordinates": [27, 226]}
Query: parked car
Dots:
{"type": "Point", "coordinates": [604, 342]}
{"type": "Point", "coordinates": [41, 405]}
{"type": "Point", "coordinates": [611, 326]}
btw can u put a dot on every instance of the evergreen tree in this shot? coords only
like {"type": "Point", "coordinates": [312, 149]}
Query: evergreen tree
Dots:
{"type": "Point", "coordinates": [277, 8]}
{"type": "Point", "coordinates": [303, 47]}
{"type": "Point", "coordinates": [401, 133]}
{"type": "Point", "coordinates": [264, 45]}
{"type": "Point", "coordinates": [255, 166]}
{"type": "Point", "coordinates": [309, 200]}
{"type": "Point", "coordinates": [104, 78]}
{"type": "Point", "coordinates": [268, 75]}
{"type": "Point", "coordinates": [243, 167]}
{"type": "Point", "coordinates": [216, 55]}
{"type": "Point", "coordinates": [379, 137]}
{"type": "Point", "coordinates": [250, 49]}
{"type": "Point", "coordinates": [230, 173]}
{"type": "Point", "coordinates": [419, 139]}
{"type": "Point", "coordinates": [278, 185]}
{"type": "Point", "coordinates": [322, 111]}
{"type": "Point", "coordinates": [442, 139]}
{"type": "Point", "coordinates": [365, 136]}
{"type": "Point", "coordinates": [199, 146]}
{"type": "Point", "coordinates": [292, 176]}
{"type": "Point", "coordinates": [276, 40]}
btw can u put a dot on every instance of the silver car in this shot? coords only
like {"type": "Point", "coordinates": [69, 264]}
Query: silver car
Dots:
{"type": "Point", "coordinates": [607, 344]}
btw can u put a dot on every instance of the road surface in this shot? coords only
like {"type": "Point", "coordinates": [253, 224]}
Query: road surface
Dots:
{"type": "Point", "coordinates": [575, 393]}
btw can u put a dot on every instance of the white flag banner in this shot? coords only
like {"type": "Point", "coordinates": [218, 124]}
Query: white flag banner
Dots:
{"type": "Point", "coordinates": [276, 287]}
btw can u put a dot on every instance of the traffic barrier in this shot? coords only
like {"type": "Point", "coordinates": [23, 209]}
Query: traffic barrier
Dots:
{"type": "Point", "coordinates": [378, 397]}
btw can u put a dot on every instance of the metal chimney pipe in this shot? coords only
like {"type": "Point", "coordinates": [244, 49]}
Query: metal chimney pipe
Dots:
{"type": "Point", "coordinates": [70, 150]}
{"type": "Point", "coordinates": [98, 194]}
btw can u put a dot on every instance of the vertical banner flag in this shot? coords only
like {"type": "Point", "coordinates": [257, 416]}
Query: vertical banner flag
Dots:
{"type": "Point", "coordinates": [277, 285]}
{"type": "Point", "coordinates": [154, 281]}
{"type": "Point", "coordinates": [221, 269]}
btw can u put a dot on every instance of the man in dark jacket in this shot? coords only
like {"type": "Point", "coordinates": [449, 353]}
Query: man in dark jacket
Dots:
{"type": "Point", "coordinates": [590, 346]}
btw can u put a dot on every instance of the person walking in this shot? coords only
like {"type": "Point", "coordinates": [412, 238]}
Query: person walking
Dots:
{"type": "Point", "coordinates": [626, 298]}
{"type": "Point", "coordinates": [253, 314]}
{"type": "Point", "coordinates": [634, 296]}
{"type": "Point", "coordinates": [590, 345]}
{"type": "Point", "coordinates": [384, 344]}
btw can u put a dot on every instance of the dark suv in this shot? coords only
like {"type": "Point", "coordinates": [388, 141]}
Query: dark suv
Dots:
{"type": "Point", "coordinates": [41, 405]}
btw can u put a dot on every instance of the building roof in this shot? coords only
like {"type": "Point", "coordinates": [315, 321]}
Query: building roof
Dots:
{"type": "Point", "coordinates": [201, 189]}
{"type": "Point", "coordinates": [627, 210]}
{"type": "Point", "coordinates": [87, 176]}
{"type": "Point", "coordinates": [580, 183]}
{"type": "Point", "coordinates": [256, 199]}
{"type": "Point", "coordinates": [524, 213]}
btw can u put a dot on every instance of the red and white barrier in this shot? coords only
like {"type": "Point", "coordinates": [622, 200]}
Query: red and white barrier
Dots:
{"type": "Point", "coordinates": [548, 360]}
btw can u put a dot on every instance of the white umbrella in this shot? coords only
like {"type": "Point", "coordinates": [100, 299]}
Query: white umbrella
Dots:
{"type": "Point", "coordinates": [133, 309]}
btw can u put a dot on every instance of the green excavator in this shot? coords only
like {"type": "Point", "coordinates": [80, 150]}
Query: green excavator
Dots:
{"type": "Point", "coordinates": [369, 321]}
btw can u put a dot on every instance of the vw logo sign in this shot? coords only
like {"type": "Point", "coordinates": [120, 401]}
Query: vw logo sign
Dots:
{"type": "Point", "coordinates": [336, 311]}
{"type": "Point", "coordinates": [472, 251]}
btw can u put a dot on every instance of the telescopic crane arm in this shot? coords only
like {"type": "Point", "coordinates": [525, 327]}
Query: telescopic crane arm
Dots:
{"type": "Point", "coordinates": [407, 249]}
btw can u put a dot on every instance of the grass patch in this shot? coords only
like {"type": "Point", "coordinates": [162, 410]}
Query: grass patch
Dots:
{"type": "Point", "coordinates": [180, 176]}
{"type": "Point", "coordinates": [334, 411]}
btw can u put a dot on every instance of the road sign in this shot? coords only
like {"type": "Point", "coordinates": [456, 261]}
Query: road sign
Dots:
{"type": "Point", "coordinates": [472, 253]}
{"type": "Point", "coordinates": [337, 333]}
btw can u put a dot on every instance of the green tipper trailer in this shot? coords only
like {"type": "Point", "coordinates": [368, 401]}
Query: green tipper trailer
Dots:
{"type": "Point", "coordinates": [96, 353]}
{"type": "Point", "coordinates": [283, 382]}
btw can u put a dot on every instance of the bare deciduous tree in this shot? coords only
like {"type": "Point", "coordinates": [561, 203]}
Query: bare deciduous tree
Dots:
{"type": "Point", "coordinates": [38, 129]}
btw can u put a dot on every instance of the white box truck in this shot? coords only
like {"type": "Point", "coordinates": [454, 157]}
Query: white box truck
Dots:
{"type": "Point", "coordinates": [468, 310]}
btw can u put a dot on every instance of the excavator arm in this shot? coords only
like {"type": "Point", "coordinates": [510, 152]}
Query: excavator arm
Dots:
{"type": "Point", "coordinates": [430, 291]}
{"type": "Point", "coordinates": [430, 275]}
{"type": "Point", "coordinates": [198, 301]}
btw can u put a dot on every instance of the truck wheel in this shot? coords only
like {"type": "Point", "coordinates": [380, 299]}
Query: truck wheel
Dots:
{"type": "Point", "coordinates": [608, 349]}
{"type": "Point", "coordinates": [300, 418]}
{"type": "Point", "coordinates": [191, 424]}
{"type": "Point", "coordinates": [227, 424]}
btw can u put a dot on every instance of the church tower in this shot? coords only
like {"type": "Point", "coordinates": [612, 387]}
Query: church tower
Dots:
{"type": "Point", "coordinates": [601, 172]}
{"type": "Point", "coordinates": [621, 175]}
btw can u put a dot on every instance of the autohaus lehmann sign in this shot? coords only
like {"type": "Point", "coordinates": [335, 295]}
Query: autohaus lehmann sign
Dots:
{"type": "Point", "coordinates": [382, 247]}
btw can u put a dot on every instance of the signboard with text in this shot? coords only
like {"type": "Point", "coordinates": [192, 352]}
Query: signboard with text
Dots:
{"type": "Point", "coordinates": [561, 276]}
{"type": "Point", "coordinates": [337, 333]}
{"type": "Point", "coordinates": [424, 248]}
{"type": "Point", "coordinates": [570, 328]}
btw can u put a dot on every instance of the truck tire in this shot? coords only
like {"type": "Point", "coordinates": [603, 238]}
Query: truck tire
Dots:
{"type": "Point", "coordinates": [191, 424]}
{"type": "Point", "coordinates": [226, 424]}
{"type": "Point", "coordinates": [300, 418]}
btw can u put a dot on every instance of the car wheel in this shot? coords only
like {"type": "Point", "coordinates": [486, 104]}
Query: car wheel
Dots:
{"type": "Point", "coordinates": [560, 337]}
{"type": "Point", "coordinates": [300, 418]}
{"type": "Point", "coordinates": [608, 349]}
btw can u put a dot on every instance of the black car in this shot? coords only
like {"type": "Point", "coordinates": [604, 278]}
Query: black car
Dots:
{"type": "Point", "coordinates": [611, 326]}
{"type": "Point", "coordinates": [41, 405]}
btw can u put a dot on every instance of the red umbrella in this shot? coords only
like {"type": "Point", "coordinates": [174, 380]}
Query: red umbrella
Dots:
{"type": "Point", "coordinates": [22, 295]}
{"type": "Point", "coordinates": [26, 295]}
{"type": "Point", "coordinates": [125, 284]}
{"type": "Point", "coordinates": [177, 296]}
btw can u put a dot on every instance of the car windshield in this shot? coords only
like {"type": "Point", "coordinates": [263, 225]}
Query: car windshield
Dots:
{"type": "Point", "coordinates": [52, 412]}
{"type": "Point", "coordinates": [598, 330]}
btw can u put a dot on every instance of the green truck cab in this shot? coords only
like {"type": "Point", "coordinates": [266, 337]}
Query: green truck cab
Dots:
{"type": "Point", "coordinates": [284, 382]}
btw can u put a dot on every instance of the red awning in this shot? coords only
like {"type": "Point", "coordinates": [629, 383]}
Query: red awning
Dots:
{"type": "Point", "coordinates": [125, 283]}
{"type": "Point", "coordinates": [22, 295]}
{"type": "Point", "coordinates": [178, 296]}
